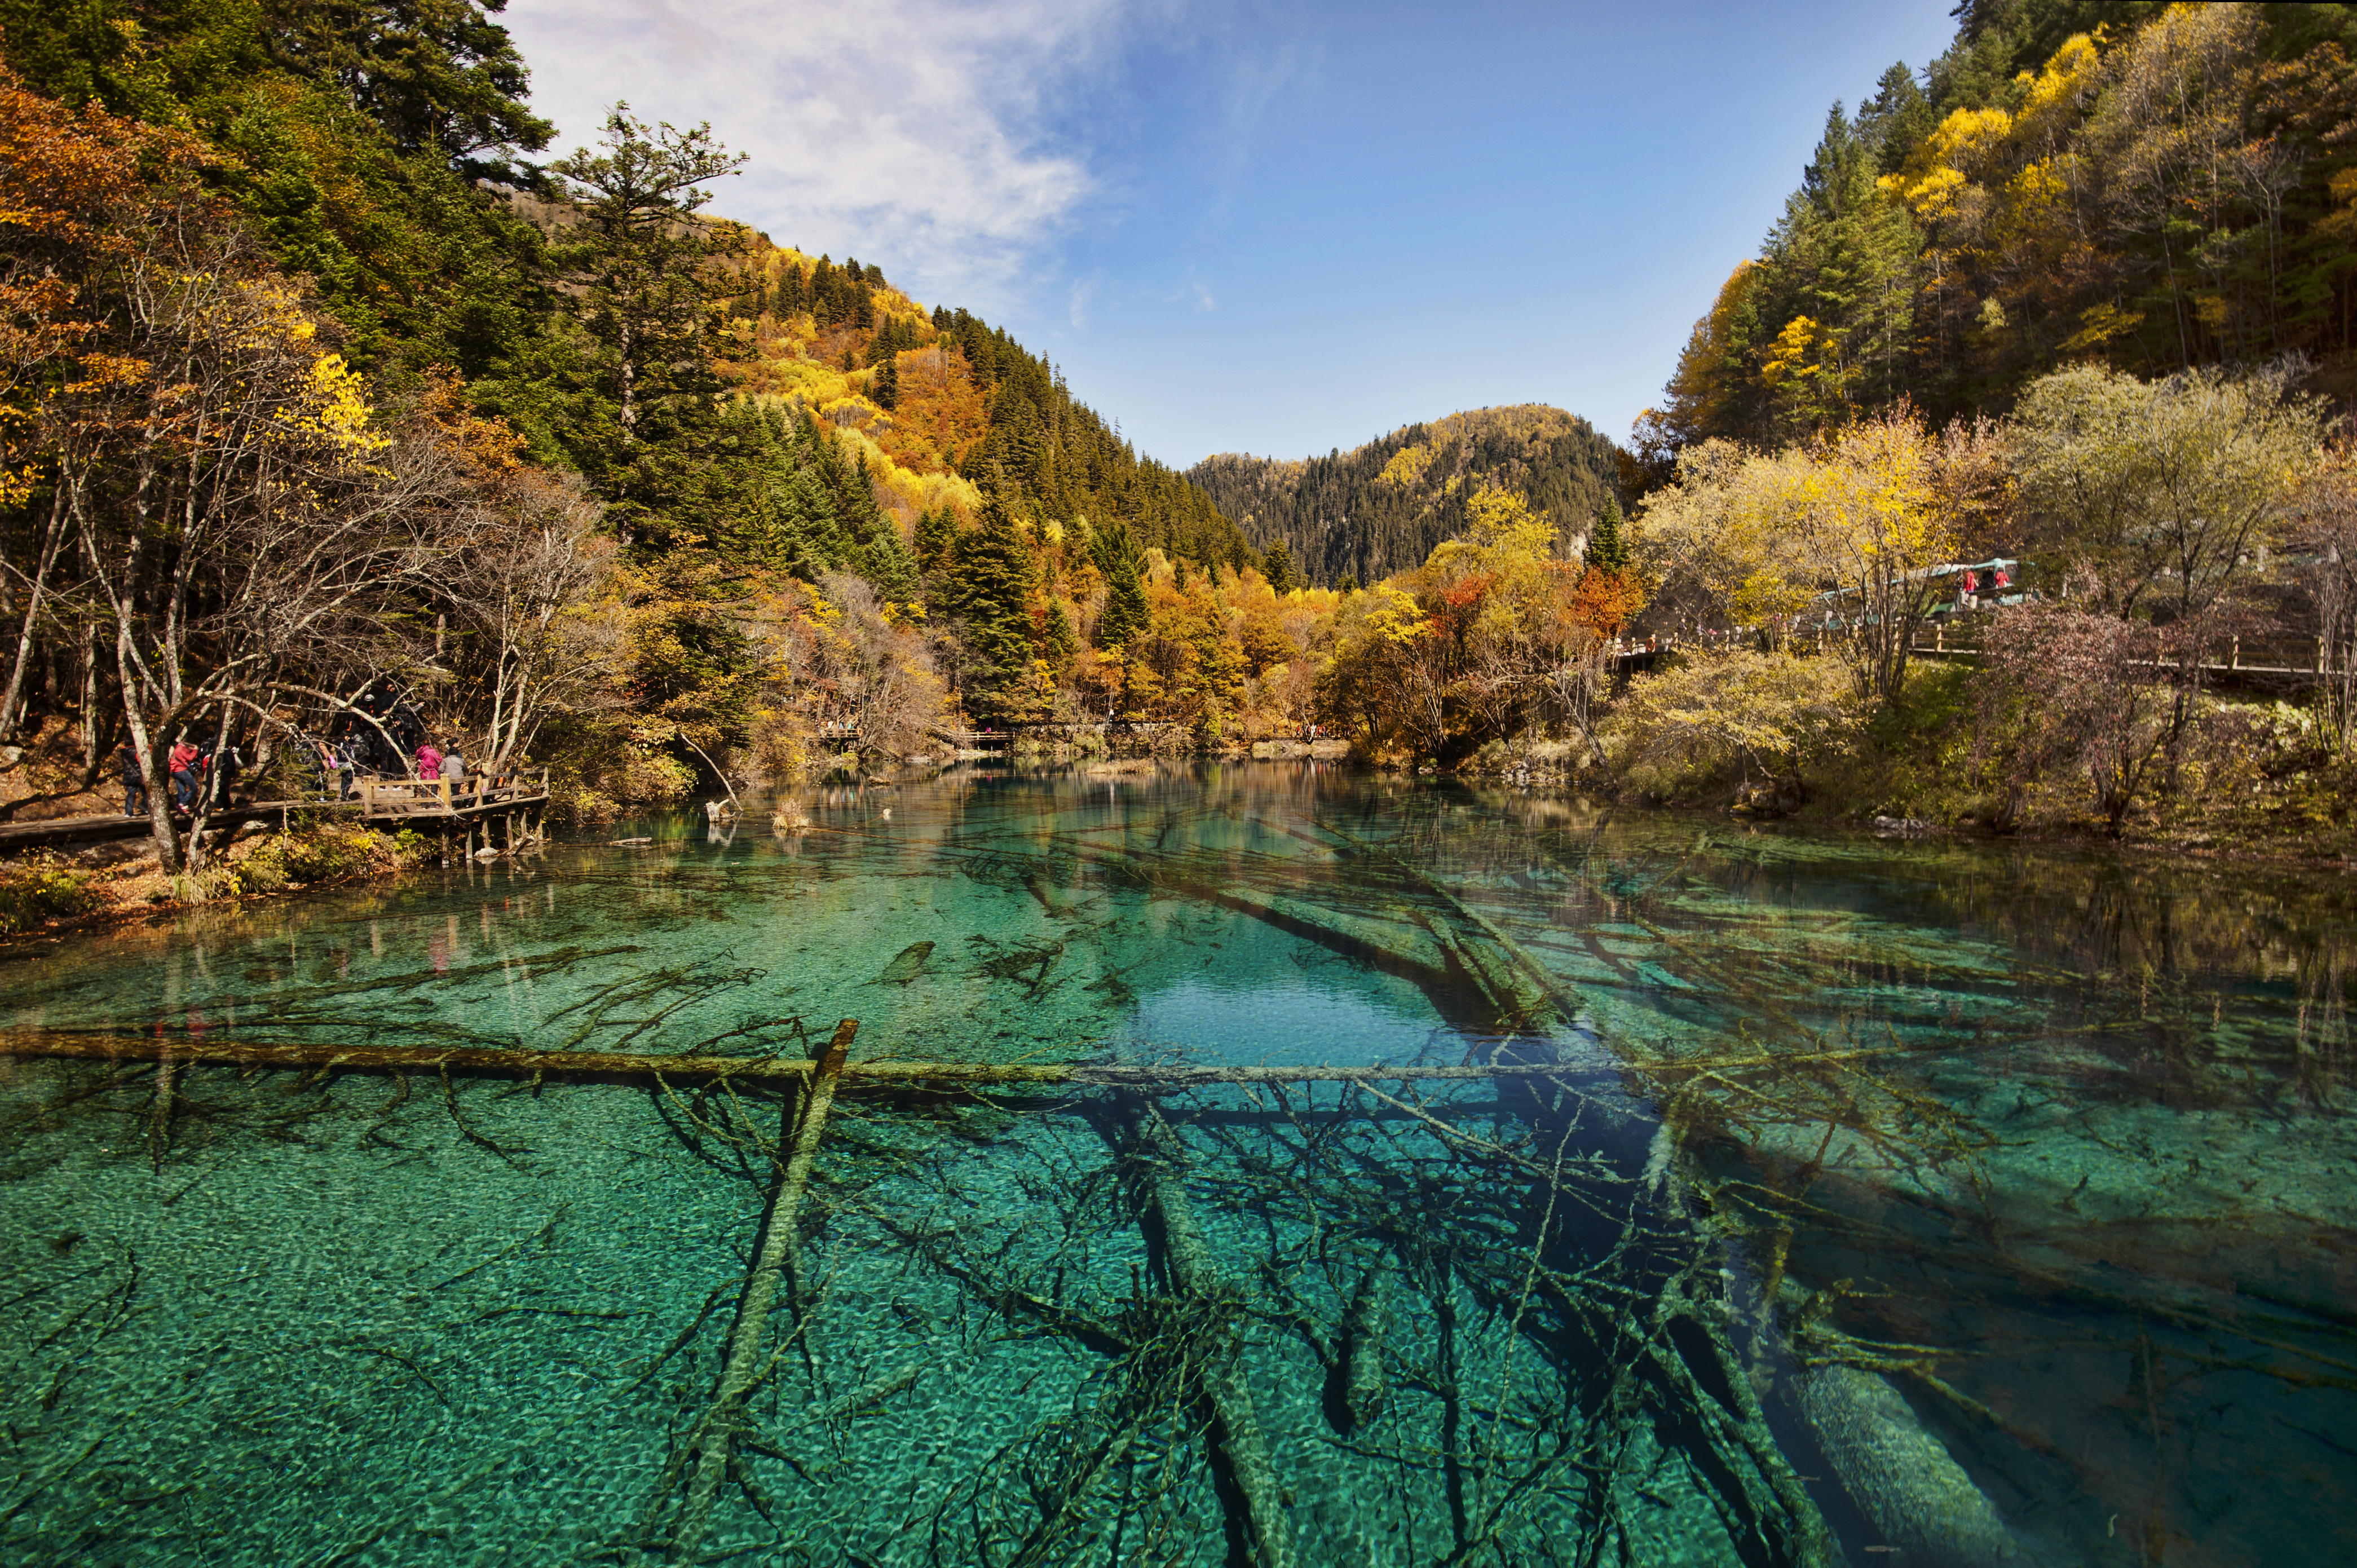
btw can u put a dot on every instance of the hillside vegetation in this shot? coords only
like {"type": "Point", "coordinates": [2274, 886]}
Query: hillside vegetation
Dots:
{"type": "Point", "coordinates": [2076, 298]}
{"type": "Point", "coordinates": [318, 383]}
{"type": "Point", "coordinates": [2150, 187]}
{"type": "Point", "coordinates": [1380, 509]}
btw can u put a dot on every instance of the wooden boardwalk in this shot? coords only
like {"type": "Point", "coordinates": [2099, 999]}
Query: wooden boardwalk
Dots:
{"type": "Point", "coordinates": [478, 795]}
{"type": "Point", "coordinates": [403, 801]}
{"type": "Point", "coordinates": [107, 825]}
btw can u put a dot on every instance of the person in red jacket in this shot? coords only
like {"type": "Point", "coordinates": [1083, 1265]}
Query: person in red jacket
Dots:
{"type": "Point", "coordinates": [182, 762]}
{"type": "Point", "coordinates": [429, 762]}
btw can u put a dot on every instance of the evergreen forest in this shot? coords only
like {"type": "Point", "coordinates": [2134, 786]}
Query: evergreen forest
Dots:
{"type": "Point", "coordinates": [1377, 510]}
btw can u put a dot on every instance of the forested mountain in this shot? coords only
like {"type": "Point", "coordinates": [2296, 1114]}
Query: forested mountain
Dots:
{"type": "Point", "coordinates": [2150, 187]}
{"type": "Point", "coordinates": [941, 392]}
{"type": "Point", "coordinates": [1380, 508]}
{"type": "Point", "coordinates": [579, 464]}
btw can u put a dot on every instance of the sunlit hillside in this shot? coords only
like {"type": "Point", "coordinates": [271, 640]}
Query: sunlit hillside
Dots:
{"type": "Point", "coordinates": [938, 401]}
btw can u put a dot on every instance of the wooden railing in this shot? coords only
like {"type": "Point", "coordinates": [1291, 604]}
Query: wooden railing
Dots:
{"type": "Point", "coordinates": [449, 798]}
{"type": "Point", "coordinates": [2300, 658]}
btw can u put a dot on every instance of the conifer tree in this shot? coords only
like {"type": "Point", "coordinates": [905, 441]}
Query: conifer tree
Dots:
{"type": "Point", "coordinates": [884, 392]}
{"type": "Point", "coordinates": [1607, 547]}
{"type": "Point", "coordinates": [1278, 567]}
{"type": "Point", "coordinates": [813, 538]}
{"type": "Point", "coordinates": [936, 535]}
{"type": "Point", "coordinates": [992, 573]}
{"type": "Point", "coordinates": [888, 564]}
{"type": "Point", "coordinates": [1062, 644]}
{"type": "Point", "coordinates": [1118, 556]}
{"type": "Point", "coordinates": [646, 280]}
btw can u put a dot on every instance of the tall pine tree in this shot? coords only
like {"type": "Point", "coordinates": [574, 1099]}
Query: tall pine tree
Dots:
{"type": "Point", "coordinates": [1277, 565]}
{"type": "Point", "coordinates": [1607, 547]}
{"type": "Point", "coordinates": [992, 573]}
{"type": "Point", "coordinates": [1118, 557]}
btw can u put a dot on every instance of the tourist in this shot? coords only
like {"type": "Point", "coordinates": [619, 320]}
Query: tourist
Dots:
{"type": "Point", "coordinates": [454, 768]}
{"type": "Point", "coordinates": [430, 761]}
{"type": "Point", "coordinates": [181, 763]}
{"type": "Point", "coordinates": [222, 770]}
{"type": "Point", "coordinates": [135, 782]}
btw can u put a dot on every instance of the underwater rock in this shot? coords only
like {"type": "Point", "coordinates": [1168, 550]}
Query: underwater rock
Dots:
{"type": "Point", "coordinates": [907, 965]}
{"type": "Point", "coordinates": [1901, 1479]}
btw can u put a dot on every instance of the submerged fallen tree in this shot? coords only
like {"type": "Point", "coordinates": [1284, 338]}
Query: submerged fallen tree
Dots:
{"type": "Point", "coordinates": [328, 1056]}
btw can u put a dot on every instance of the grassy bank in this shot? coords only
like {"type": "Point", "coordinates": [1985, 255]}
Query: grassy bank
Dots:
{"type": "Point", "coordinates": [49, 891]}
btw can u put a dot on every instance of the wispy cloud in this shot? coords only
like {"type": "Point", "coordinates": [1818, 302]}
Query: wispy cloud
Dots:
{"type": "Point", "coordinates": [1195, 290]}
{"type": "Point", "coordinates": [909, 132]}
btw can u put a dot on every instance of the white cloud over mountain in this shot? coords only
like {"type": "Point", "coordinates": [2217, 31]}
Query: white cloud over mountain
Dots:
{"type": "Point", "coordinates": [910, 133]}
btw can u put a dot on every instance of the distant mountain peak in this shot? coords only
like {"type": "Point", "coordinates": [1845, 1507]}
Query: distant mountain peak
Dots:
{"type": "Point", "coordinates": [1381, 507]}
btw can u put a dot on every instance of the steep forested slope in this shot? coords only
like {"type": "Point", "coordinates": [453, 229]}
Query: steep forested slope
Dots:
{"type": "Point", "coordinates": [672, 492]}
{"type": "Point", "coordinates": [1380, 508]}
{"type": "Point", "coordinates": [941, 394]}
{"type": "Point", "coordinates": [2151, 187]}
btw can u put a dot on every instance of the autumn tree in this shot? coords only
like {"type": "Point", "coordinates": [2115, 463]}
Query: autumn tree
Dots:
{"type": "Point", "coordinates": [2163, 488]}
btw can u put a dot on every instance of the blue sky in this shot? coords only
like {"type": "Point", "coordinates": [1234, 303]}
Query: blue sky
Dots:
{"type": "Point", "coordinates": [1267, 228]}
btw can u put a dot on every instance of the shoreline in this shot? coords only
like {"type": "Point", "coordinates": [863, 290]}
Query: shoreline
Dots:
{"type": "Point", "coordinates": [131, 896]}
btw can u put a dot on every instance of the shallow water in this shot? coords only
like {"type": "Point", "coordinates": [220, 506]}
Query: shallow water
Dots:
{"type": "Point", "coordinates": [1982, 1202]}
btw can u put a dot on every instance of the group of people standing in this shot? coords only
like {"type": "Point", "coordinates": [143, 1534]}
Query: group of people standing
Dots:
{"type": "Point", "coordinates": [340, 763]}
{"type": "Point", "coordinates": [198, 773]}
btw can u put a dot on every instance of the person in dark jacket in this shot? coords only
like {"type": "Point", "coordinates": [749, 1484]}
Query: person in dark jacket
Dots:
{"type": "Point", "coordinates": [135, 782]}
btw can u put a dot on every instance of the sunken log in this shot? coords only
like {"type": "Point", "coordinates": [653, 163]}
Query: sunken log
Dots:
{"type": "Point", "coordinates": [184, 1049]}
{"type": "Point", "coordinates": [777, 1260]}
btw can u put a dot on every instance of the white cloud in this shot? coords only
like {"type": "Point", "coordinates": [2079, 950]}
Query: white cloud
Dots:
{"type": "Point", "coordinates": [909, 133]}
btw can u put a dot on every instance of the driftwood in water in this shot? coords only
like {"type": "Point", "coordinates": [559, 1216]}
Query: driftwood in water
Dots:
{"type": "Point", "coordinates": [624, 1064]}
{"type": "Point", "coordinates": [713, 1445]}
{"type": "Point", "coordinates": [1159, 1162]}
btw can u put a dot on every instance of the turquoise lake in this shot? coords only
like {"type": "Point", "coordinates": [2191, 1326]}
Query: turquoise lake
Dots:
{"type": "Point", "coordinates": [1855, 1201]}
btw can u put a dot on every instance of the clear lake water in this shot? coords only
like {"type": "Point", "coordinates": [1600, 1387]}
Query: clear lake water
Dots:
{"type": "Point", "coordinates": [1862, 1200]}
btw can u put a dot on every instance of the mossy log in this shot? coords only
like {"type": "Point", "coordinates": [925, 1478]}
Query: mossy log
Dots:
{"type": "Point", "coordinates": [624, 1064]}
{"type": "Point", "coordinates": [777, 1260]}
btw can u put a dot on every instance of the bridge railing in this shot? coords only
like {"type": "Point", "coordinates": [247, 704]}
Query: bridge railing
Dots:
{"type": "Point", "coordinates": [449, 797]}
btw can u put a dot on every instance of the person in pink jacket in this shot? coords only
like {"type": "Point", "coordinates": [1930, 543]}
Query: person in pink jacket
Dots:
{"type": "Point", "coordinates": [429, 762]}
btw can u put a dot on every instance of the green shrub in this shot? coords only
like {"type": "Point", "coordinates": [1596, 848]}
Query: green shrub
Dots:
{"type": "Point", "coordinates": [34, 892]}
{"type": "Point", "coordinates": [330, 854]}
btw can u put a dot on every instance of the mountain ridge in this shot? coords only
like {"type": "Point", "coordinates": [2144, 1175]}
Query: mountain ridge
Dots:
{"type": "Point", "coordinates": [1381, 507]}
